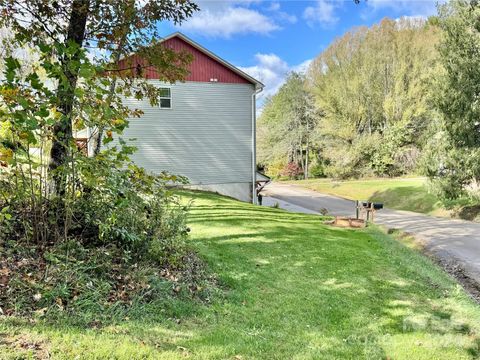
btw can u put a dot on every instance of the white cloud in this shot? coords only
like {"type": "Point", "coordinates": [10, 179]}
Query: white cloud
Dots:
{"type": "Point", "coordinates": [282, 16]}
{"type": "Point", "coordinates": [274, 6]}
{"type": "Point", "coordinates": [323, 13]}
{"type": "Point", "coordinates": [303, 67]}
{"type": "Point", "coordinates": [227, 21]}
{"type": "Point", "coordinates": [271, 70]}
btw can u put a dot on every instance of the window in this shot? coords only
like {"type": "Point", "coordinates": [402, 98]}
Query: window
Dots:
{"type": "Point", "coordinates": [165, 98]}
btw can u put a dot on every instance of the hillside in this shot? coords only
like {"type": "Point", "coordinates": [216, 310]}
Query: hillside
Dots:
{"type": "Point", "coordinates": [291, 288]}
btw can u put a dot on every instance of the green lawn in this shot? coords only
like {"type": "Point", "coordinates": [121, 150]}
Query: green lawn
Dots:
{"type": "Point", "coordinates": [409, 194]}
{"type": "Point", "coordinates": [293, 289]}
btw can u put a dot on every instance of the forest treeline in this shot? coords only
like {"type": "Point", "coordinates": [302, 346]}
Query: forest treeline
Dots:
{"type": "Point", "coordinates": [400, 97]}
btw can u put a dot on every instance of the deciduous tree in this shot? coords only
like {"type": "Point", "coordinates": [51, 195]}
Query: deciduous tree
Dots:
{"type": "Point", "coordinates": [286, 126]}
{"type": "Point", "coordinates": [373, 84]}
{"type": "Point", "coordinates": [79, 38]}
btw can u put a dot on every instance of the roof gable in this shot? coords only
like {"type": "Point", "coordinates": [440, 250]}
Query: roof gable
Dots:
{"type": "Point", "coordinates": [205, 67]}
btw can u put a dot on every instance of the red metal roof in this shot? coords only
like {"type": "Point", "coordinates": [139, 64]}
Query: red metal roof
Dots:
{"type": "Point", "coordinates": [204, 67]}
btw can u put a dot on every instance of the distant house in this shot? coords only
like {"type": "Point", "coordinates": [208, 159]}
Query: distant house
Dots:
{"type": "Point", "coordinates": [203, 128]}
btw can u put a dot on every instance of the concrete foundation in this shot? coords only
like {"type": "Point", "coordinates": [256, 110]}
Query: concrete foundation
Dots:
{"type": "Point", "coordinates": [239, 191]}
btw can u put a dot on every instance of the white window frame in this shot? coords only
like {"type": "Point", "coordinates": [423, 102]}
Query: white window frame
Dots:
{"type": "Point", "coordinates": [166, 97]}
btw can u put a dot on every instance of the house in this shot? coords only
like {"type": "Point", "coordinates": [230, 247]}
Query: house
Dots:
{"type": "Point", "coordinates": [203, 128]}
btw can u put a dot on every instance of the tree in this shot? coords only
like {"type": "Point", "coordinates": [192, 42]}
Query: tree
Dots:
{"type": "Point", "coordinates": [74, 82]}
{"type": "Point", "coordinates": [285, 126]}
{"type": "Point", "coordinates": [63, 32]}
{"type": "Point", "coordinates": [455, 162]}
{"type": "Point", "coordinates": [373, 84]}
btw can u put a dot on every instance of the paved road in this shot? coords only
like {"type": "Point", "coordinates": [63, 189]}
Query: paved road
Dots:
{"type": "Point", "coordinates": [455, 241]}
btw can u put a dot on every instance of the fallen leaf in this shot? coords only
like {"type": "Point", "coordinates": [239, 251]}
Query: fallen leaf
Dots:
{"type": "Point", "coordinates": [41, 312]}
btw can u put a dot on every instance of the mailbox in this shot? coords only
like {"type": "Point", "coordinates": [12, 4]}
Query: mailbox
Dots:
{"type": "Point", "coordinates": [368, 208]}
{"type": "Point", "coordinates": [377, 206]}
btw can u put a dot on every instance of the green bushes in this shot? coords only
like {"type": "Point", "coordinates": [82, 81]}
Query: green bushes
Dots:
{"type": "Point", "coordinates": [109, 200]}
{"type": "Point", "coordinates": [60, 210]}
{"type": "Point", "coordinates": [114, 241]}
{"type": "Point", "coordinates": [131, 208]}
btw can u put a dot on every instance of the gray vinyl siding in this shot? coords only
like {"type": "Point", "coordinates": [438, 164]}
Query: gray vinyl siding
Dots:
{"type": "Point", "coordinates": [205, 136]}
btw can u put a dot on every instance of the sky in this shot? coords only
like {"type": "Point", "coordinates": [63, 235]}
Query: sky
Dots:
{"type": "Point", "coordinates": [267, 39]}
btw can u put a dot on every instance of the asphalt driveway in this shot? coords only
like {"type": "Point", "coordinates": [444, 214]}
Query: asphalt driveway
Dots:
{"type": "Point", "coordinates": [451, 241]}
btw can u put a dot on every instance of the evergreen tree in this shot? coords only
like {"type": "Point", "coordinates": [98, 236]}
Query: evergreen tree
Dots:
{"type": "Point", "coordinates": [455, 161]}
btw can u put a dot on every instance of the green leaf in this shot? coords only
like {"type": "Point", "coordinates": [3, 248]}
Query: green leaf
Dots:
{"type": "Point", "coordinates": [11, 66]}
{"type": "Point", "coordinates": [24, 103]}
{"type": "Point", "coordinates": [43, 112]}
{"type": "Point", "coordinates": [44, 48]}
{"type": "Point", "coordinates": [107, 140]}
{"type": "Point", "coordinates": [34, 81]}
{"type": "Point", "coordinates": [86, 71]}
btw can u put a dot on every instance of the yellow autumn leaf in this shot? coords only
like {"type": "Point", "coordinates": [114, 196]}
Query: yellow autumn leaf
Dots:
{"type": "Point", "coordinates": [6, 154]}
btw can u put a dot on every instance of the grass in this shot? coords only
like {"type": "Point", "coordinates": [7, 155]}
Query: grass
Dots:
{"type": "Point", "coordinates": [293, 289]}
{"type": "Point", "coordinates": [409, 194]}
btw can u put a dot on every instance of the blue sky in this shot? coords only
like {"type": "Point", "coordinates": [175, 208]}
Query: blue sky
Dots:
{"type": "Point", "coordinates": [269, 38]}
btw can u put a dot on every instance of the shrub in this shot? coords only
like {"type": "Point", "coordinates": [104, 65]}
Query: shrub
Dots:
{"type": "Point", "coordinates": [115, 238]}
{"type": "Point", "coordinates": [110, 201]}
{"type": "Point", "coordinates": [275, 168]}
{"type": "Point", "coordinates": [292, 171]}
{"type": "Point", "coordinates": [131, 208]}
{"type": "Point", "coordinates": [317, 169]}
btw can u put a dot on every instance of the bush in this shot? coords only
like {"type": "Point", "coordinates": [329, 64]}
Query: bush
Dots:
{"type": "Point", "coordinates": [317, 169]}
{"type": "Point", "coordinates": [116, 237]}
{"type": "Point", "coordinates": [275, 168]}
{"type": "Point", "coordinates": [292, 171]}
{"type": "Point", "coordinates": [132, 209]}
{"type": "Point", "coordinates": [110, 201]}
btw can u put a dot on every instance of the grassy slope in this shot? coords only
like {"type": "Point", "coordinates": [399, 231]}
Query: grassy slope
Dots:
{"type": "Point", "coordinates": [296, 289]}
{"type": "Point", "coordinates": [402, 193]}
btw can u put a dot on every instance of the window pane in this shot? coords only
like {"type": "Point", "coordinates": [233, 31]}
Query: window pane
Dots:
{"type": "Point", "coordinates": [165, 103]}
{"type": "Point", "coordinates": [164, 92]}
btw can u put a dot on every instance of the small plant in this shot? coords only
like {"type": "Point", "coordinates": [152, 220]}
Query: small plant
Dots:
{"type": "Point", "coordinates": [276, 205]}
{"type": "Point", "coordinates": [323, 211]}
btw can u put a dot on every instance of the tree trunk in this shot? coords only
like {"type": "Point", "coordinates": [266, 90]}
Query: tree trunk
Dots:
{"type": "Point", "coordinates": [113, 84]}
{"type": "Point", "coordinates": [306, 160]}
{"type": "Point", "coordinates": [65, 93]}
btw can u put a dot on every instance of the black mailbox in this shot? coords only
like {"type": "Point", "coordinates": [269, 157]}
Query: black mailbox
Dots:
{"type": "Point", "coordinates": [377, 206]}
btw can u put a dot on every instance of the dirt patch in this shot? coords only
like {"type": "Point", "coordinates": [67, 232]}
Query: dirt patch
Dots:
{"type": "Point", "coordinates": [456, 270]}
{"type": "Point", "coordinates": [470, 212]}
{"type": "Point", "coordinates": [27, 345]}
{"type": "Point", "coordinates": [444, 260]}
{"type": "Point", "coordinates": [346, 222]}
